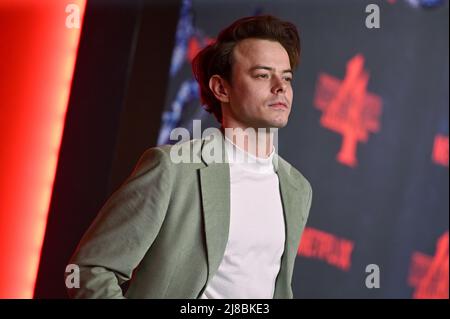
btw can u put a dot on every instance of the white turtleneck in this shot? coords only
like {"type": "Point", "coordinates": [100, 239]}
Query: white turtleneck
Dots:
{"type": "Point", "coordinates": [251, 261]}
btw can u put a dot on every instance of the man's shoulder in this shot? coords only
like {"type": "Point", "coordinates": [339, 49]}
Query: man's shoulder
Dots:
{"type": "Point", "coordinates": [180, 153]}
{"type": "Point", "coordinates": [168, 149]}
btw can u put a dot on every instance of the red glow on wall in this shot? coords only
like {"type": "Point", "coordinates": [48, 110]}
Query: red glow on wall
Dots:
{"type": "Point", "coordinates": [440, 150]}
{"type": "Point", "coordinates": [37, 58]}
{"type": "Point", "coordinates": [327, 247]}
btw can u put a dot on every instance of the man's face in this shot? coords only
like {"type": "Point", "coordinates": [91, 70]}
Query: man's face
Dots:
{"type": "Point", "coordinates": [260, 94]}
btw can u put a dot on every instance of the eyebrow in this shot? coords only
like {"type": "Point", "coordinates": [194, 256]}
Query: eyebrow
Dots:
{"type": "Point", "coordinates": [268, 68]}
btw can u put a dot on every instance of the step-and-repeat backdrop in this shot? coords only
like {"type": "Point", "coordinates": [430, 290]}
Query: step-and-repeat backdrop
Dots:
{"type": "Point", "coordinates": [369, 129]}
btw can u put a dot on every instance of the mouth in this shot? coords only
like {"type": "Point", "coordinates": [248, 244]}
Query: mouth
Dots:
{"type": "Point", "coordinates": [278, 106]}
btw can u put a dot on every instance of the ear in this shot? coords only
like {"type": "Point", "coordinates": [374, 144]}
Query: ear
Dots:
{"type": "Point", "coordinates": [219, 87]}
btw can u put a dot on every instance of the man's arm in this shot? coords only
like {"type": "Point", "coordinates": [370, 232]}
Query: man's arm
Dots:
{"type": "Point", "coordinates": [124, 229]}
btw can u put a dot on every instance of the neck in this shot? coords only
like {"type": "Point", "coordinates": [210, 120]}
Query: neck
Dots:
{"type": "Point", "coordinates": [257, 142]}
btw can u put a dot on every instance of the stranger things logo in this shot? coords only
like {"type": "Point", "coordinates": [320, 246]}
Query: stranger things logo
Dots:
{"type": "Point", "coordinates": [348, 109]}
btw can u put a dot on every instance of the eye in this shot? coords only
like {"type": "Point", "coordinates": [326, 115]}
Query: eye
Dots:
{"type": "Point", "coordinates": [288, 78]}
{"type": "Point", "coordinates": [262, 76]}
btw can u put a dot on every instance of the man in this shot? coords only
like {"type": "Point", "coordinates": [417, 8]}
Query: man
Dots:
{"type": "Point", "coordinates": [225, 226]}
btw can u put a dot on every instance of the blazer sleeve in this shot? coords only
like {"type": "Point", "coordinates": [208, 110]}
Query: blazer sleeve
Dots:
{"type": "Point", "coordinates": [124, 229]}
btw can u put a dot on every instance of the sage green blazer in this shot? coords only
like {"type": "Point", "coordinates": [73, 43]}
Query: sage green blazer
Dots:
{"type": "Point", "coordinates": [165, 229]}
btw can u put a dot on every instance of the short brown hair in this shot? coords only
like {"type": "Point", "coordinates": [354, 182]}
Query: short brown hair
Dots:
{"type": "Point", "coordinates": [217, 58]}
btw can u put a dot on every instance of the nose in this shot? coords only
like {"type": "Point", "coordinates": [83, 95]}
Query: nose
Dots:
{"type": "Point", "coordinates": [279, 85]}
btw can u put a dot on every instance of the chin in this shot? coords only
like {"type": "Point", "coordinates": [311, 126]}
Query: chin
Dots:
{"type": "Point", "coordinates": [268, 123]}
{"type": "Point", "coordinates": [278, 124]}
{"type": "Point", "coordinates": [274, 125]}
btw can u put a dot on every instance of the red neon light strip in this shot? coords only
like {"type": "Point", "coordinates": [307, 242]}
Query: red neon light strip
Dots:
{"type": "Point", "coordinates": [39, 42]}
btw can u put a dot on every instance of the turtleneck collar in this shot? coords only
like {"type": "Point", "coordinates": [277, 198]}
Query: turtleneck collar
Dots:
{"type": "Point", "coordinates": [247, 161]}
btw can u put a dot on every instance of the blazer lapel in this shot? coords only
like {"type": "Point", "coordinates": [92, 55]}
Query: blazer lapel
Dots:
{"type": "Point", "coordinates": [215, 190]}
{"type": "Point", "coordinates": [290, 198]}
{"type": "Point", "coordinates": [291, 202]}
